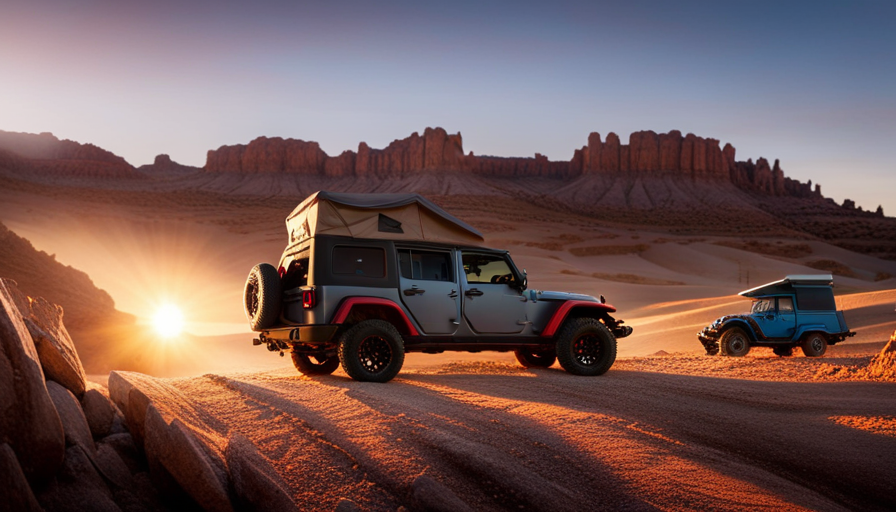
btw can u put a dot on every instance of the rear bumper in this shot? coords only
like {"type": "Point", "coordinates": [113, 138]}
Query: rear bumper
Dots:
{"type": "Point", "coordinates": [301, 334]}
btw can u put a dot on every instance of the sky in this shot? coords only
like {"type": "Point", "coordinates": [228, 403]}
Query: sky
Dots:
{"type": "Point", "coordinates": [808, 82]}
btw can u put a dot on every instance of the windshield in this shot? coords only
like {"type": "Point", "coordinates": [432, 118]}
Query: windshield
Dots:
{"type": "Point", "coordinates": [763, 305]}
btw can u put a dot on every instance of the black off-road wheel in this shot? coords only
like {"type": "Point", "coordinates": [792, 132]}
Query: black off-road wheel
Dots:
{"type": "Point", "coordinates": [372, 351]}
{"type": "Point", "coordinates": [783, 351]}
{"type": "Point", "coordinates": [734, 342]}
{"type": "Point", "coordinates": [814, 344]}
{"type": "Point", "coordinates": [317, 364]}
{"type": "Point", "coordinates": [261, 297]}
{"type": "Point", "coordinates": [585, 347]}
{"type": "Point", "coordinates": [532, 359]}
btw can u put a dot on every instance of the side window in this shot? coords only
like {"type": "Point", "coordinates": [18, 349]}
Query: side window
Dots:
{"type": "Point", "coordinates": [763, 305]}
{"type": "Point", "coordinates": [361, 261]}
{"type": "Point", "coordinates": [785, 305]}
{"type": "Point", "coordinates": [427, 265]}
{"type": "Point", "coordinates": [487, 268]}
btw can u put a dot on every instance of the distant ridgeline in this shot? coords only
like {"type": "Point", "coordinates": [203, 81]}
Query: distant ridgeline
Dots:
{"type": "Point", "coordinates": [437, 151]}
{"type": "Point", "coordinates": [647, 154]}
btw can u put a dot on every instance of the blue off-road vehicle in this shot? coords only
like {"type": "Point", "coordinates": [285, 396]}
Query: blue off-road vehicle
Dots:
{"type": "Point", "coordinates": [797, 311]}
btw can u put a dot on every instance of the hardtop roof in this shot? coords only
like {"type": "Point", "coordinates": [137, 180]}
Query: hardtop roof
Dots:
{"type": "Point", "coordinates": [786, 285]}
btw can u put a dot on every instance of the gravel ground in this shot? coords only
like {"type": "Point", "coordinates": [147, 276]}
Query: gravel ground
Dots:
{"type": "Point", "coordinates": [673, 432]}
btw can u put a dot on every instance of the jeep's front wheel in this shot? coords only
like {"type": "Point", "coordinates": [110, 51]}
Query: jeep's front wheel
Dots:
{"type": "Point", "coordinates": [533, 359]}
{"type": "Point", "coordinates": [815, 345]}
{"type": "Point", "coordinates": [371, 351]}
{"type": "Point", "coordinates": [586, 347]}
{"type": "Point", "coordinates": [261, 297]}
{"type": "Point", "coordinates": [734, 342]}
{"type": "Point", "coordinates": [315, 364]}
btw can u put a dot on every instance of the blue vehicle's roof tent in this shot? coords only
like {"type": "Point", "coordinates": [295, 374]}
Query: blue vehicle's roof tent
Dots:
{"type": "Point", "coordinates": [786, 285]}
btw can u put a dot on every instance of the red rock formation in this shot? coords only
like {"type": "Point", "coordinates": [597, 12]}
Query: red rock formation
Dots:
{"type": "Point", "coordinates": [46, 154]}
{"type": "Point", "coordinates": [164, 163]}
{"type": "Point", "coordinates": [610, 157]}
{"type": "Point", "coordinates": [670, 151]}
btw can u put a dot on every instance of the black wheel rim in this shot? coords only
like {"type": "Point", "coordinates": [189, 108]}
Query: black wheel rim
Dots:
{"type": "Point", "coordinates": [375, 353]}
{"type": "Point", "coordinates": [586, 350]}
{"type": "Point", "coordinates": [817, 344]}
{"type": "Point", "coordinates": [737, 343]}
{"type": "Point", "coordinates": [252, 296]}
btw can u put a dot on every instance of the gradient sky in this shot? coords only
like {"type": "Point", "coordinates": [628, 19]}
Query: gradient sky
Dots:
{"type": "Point", "coordinates": [809, 82]}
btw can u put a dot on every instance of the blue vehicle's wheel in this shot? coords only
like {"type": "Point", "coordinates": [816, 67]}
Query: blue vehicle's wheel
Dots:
{"type": "Point", "coordinates": [734, 342]}
{"type": "Point", "coordinates": [815, 345]}
{"type": "Point", "coordinates": [585, 347]}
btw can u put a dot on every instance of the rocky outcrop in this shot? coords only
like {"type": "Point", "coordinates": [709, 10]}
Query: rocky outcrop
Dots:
{"type": "Point", "coordinates": [29, 422]}
{"type": "Point", "coordinates": [163, 164]}
{"type": "Point", "coordinates": [14, 488]}
{"type": "Point", "coordinates": [74, 423]}
{"type": "Point", "coordinates": [257, 485]}
{"type": "Point", "coordinates": [55, 347]}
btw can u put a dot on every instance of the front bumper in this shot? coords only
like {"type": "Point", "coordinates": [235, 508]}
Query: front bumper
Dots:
{"type": "Point", "coordinates": [709, 337]}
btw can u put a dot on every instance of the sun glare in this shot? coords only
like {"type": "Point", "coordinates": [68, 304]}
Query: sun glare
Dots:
{"type": "Point", "coordinates": [168, 321]}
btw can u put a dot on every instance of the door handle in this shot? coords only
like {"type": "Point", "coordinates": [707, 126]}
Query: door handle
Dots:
{"type": "Point", "coordinates": [453, 294]}
{"type": "Point", "coordinates": [473, 292]}
{"type": "Point", "coordinates": [414, 291]}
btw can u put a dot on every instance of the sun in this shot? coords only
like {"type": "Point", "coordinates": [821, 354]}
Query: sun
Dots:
{"type": "Point", "coordinates": [168, 321]}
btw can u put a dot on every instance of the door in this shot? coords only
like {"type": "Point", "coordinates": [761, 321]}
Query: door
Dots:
{"type": "Point", "coordinates": [428, 287]}
{"type": "Point", "coordinates": [775, 322]}
{"type": "Point", "coordinates": [492, 302]}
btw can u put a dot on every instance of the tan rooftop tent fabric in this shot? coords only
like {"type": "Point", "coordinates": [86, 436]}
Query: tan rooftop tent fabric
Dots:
{"type": "Point", "coordinates": [389, 216]}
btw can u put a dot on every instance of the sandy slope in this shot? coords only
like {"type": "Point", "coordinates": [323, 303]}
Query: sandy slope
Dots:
{"type": "Point", "coordinates": [502, 437]}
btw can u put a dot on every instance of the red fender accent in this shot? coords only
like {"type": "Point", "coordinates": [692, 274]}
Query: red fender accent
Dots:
{"type": "Point", "coordinates": [560, 315]}
{"type": "Point", "coordinates": [346, 307]}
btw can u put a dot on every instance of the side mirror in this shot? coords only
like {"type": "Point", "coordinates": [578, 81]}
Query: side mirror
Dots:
{"type": "Point", "coordinates": [525, 282]}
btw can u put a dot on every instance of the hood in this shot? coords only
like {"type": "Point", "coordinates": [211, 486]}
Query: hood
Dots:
{"type": "Point", "coordinates": [548, 295]}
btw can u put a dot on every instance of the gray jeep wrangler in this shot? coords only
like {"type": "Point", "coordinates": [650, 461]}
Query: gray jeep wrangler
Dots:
{"type": "Point", "coordinates": [368, 277]}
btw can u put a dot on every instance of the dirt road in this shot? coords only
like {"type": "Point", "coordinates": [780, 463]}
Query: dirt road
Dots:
{"type": "Point", "coordinates": [501, 437]}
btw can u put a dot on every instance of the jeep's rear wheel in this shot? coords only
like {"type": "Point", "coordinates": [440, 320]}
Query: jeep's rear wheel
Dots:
{"type": "Point", "coordinates": [815, 345]}
{"type": "Point", "coordinates": [533, 359]}
{"type": "Point", "coordinates": [372, 351]}
{"type": "Point", "coordinates": [783, 351]}
{"type": "Point", "coordinates": [586, 347]}
{"type": "Point", "coordinates": [317, 364]}
{"type": "Point", "coordinates": [261, 297]}
{"type": "Point", "coordinates": [734, 342]}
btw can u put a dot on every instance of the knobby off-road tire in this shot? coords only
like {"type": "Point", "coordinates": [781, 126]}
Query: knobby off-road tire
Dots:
{"type": "Point", "coordinates": [530, 359]}
{"type": "Point", "coordinates": [734, 342]}
{"type": "Point", "coordinates": [783, 351]}
{"type": "Point", "coordinates": [315, 364]}
{"type": "Point", "coordinates": [261, 297]}
{"type": "Point", "coordinates": [371, 351]}
{"type": "Point", "coordinates": [815, 345]}
{"type": "Point", "coordinates": [585, 347]}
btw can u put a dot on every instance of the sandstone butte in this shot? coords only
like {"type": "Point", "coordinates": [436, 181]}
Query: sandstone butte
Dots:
{"type": "Point", "coordinates": [437, 151]}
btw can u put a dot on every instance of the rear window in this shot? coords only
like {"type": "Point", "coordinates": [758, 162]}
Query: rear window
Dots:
{"type": "Point", "coordinates": [360, 261]}
{"type": "Point", "coordinates": [815, 299]}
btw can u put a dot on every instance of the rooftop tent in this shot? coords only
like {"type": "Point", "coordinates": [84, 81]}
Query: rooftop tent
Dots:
{"type": "Point", "coordinates": [786, 285]}
{"type": "Point", "coordinates": [390, 216]}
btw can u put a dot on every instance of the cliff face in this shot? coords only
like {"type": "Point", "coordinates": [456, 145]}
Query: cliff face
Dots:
{"type": "Point", "coordinates": [647, 152]}
{"type": "Point", "coordinates": [46, 154]}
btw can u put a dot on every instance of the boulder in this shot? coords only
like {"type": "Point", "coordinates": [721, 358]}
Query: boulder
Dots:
{"type": "Point", "coordinates": [173, 446]}
{"type": "Point", "coordinates": [99, 411]}
{"type": "Point", "coordinates": [55, 347]}
{"type": "Point", "coordinates": [28, 419]}
{"type": "Point", "coordinates": [14, 489]}
{"type": "Point", "coordinates": [112, 467]}
{"type": "Point", "coordinates": [74, 424]}
{"type": "Point", "coordinates": [431, 495]}
{"type": "Point", "coordinates": [347, 505]}
{"type": "Point", "coordinates": [256, 483]}
{"type": "Point", "coordinates": [78, 486]}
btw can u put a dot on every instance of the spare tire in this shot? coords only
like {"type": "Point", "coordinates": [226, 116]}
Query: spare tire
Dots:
{"type": "Point", "coordinates": [261, 297]}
